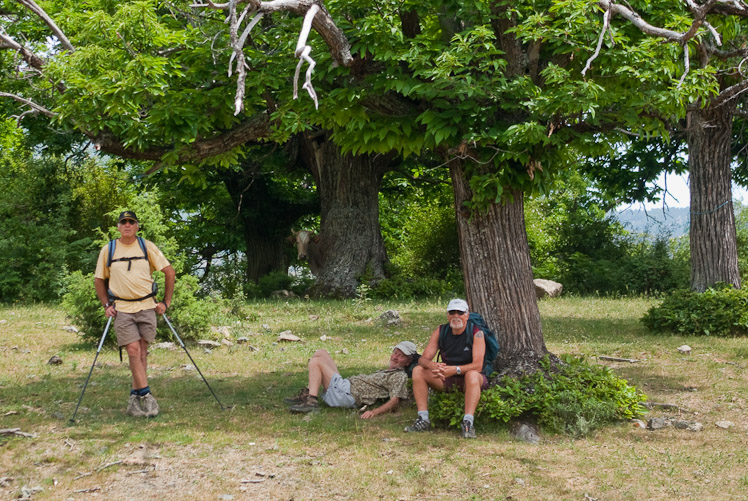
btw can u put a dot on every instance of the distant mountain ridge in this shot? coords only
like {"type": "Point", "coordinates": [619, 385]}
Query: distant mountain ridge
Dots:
{"type": "Point", "coordinates": [673, 221]}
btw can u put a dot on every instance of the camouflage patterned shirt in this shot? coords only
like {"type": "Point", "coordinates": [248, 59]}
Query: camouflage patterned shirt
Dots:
{"type": "Point", "coordinates": [384, 384]}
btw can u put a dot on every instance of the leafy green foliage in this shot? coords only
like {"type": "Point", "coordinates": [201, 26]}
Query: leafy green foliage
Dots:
{"type": "Point", "coordinates": [719, 311]}
{"type": "Point", "coordinates": [741, 227]}
{"type": "Point", "coordinates": [190, 316]}
{"type": "Point", "coordinates": [273, 282]}
{"type": "Point", "coordinates": [403, 287]}
{"type": "Point", "coordinates": [420, 234]}
{"type": "Point", "coordinates": [575, 241]}
{"type": "Point", "coordinates": [574, 399]}
{"type": "Point", "coordinates": [35, 207]}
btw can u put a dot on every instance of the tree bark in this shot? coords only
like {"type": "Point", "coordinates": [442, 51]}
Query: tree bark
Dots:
{"type": "Point", "coordinates": [350, 238]}
{"type": "Point", "coordinates": [495, 258]}
{"type": "Point", "coordinates": [266, 220]}
{"type": "Point", "coordinates": [714, 253]}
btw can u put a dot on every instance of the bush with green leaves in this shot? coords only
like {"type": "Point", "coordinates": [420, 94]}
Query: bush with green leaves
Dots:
{"type": "Point", "coordinates": [721, 310]}
{"type": "Point", "coordinates": [190, 316]}
{"type": "Point", "coordinates": [575, 398]}
{"type": "Point", "coordinates": [420, 233]}
{"type": "Point", "coordinates": [279, 280]}
{"type": "Point", "coordinates": [402, 287]}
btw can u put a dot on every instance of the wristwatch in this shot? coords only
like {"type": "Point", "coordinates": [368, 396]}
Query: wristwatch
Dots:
{"type": "Point", "coordinates": [458, 370]}
{"type": "Point", "coordinates": [107, 305]}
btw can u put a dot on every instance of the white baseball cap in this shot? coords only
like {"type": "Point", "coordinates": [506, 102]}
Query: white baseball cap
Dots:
{"type": "Point", "coordinates": [407, 348]}
{"type": "Point", "coordinates": [458, 305]}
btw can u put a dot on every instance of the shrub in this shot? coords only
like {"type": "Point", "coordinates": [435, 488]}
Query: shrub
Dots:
{"type": "Point", "coordinates": [190, 316]}
{"type": "Point", "coordinates": [718, 311]}
{"type": "Point", "coordinates": [403, 287]}
{"type": "Point", "coordinates": [274, 281]}
{"type": "Point", "coordinates": [575, 399]}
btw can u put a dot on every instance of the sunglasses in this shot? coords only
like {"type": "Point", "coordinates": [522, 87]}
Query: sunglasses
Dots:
{"type": "Point", "coordinates": [128, 221]}
{"type": "Point", "coordinates": [455, 312]}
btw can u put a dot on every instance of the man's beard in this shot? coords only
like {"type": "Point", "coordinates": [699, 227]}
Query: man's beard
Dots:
{"type": "Point", "coordinates": [456, 323]}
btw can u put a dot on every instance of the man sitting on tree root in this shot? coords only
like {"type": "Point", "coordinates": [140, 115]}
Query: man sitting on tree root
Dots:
{"type": "Point", "coordinates": [462, 354]}
{"type": "Point", "coordinates": [363, 389]}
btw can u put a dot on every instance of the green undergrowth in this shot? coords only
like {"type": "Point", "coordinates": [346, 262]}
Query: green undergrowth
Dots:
{"type": "Point", "coordinates": [719, 311]}
{"type": "Point", "coordinates": [574, 399]}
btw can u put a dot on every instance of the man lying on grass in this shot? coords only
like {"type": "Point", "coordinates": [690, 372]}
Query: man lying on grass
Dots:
{"type": "Point", "coordinates": [356, 391]}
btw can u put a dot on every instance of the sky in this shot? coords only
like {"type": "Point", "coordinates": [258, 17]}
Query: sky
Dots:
{"type": "Point", "coordinates": [678, 195]}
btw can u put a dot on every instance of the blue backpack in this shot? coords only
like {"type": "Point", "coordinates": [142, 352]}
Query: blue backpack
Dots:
{"type": "Point", "coordinates": [492, 343]}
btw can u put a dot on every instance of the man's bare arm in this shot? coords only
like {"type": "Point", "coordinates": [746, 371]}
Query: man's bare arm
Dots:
{"type": "Point", "coordinates": [389, 406]}
{"type": "Point", "coordinates": [427, 358]}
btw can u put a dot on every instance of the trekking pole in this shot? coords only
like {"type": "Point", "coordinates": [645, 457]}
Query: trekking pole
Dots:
{"type": "Point", "coordinates": [98, 350]}
{"type": "Point", "coordinates": [193, 361]}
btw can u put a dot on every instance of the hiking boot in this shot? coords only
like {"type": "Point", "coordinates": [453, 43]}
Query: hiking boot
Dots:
{"type": "Point", "coordinates": [150, 406]}
{"type": "Point", "coordinates": [299, 398]}
{"type": "Point", "coordinates": [310, 404]}
{"type": "Point", "coordinates": [420, 424]}
{"type": "Point", "coordinates": [133, 407]}
{"type": "Point", "coordinates": [468, 430]}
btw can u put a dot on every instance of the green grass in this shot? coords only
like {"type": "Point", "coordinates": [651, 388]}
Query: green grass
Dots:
{"type": "Point", "coordinates": [195, 450]}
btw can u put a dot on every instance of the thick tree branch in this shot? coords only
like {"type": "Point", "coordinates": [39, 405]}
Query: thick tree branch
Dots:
{"type": "Point", "coordinates": [255, 129]}
{"type": "Point", "coordinates": [729, 94]}
{"type": "Point", "coordinates": [731, 8]}
{"type": "Point", "coordinates": [31, 59]}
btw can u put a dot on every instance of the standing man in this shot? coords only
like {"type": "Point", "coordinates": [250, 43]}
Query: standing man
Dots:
{"type": "Point", "coordinates": [462, 362]}
{"type": "Point", "coordinates": [389, 384]}
{"type": "Point", "coordinates": [126, 266]}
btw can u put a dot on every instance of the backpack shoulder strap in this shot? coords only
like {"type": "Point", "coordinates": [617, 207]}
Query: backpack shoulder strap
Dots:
{"type": "Point", "coordinates": [442, 333]}
{"type": "Point", "coordinates": [141, 241]}
{"type": "Point", "coordinates": [470, 329]}
{"type": "Point", "coordinates": [112, 246]}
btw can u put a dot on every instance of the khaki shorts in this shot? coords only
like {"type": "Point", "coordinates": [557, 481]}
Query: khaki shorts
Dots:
{"type": "Point", "coordinates": [131, 327]}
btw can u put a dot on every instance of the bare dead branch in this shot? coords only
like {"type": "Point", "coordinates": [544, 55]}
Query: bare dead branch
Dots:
{"type": "Point", "coordinates": [686, 65]}
{"type": "Point", "coordinates": [33, 7]}
{"type": "Point", "coordinates": [302, 52]}
{"type": "Point", "coordinates": [699, 20]}
{"type": "Point", "coordinates": [35, 107]}
{"type": "Point", "coordinates": [315, 16]}
{"type": "Point", "coordinates": [635, 19]}
{"type": "Point", "coordinates": [8, 42]}
{"type": "Point", "coordinates": [606, 27]}
{"type": "Point", "coordinates": [731, 8]}
{"type": "Point", "coordinates": [740, 68]}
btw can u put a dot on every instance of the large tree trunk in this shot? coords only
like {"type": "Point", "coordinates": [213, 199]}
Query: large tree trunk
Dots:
{"type": "Point", "coordinates": [714, 254]}
{"type": "Point", "coordinates": [266, 219]}
{"type": "Point", "coordinates": [350, 238]}
{"type": "Point", "coordinates": [495, 260]}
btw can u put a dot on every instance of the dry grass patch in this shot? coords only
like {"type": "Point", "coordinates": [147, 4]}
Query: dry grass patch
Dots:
{"type": "Point", "coordinates": [194, 450]}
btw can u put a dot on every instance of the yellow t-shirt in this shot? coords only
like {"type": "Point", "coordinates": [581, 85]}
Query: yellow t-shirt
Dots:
{"type": "Point", "coordinates": [135, 281]}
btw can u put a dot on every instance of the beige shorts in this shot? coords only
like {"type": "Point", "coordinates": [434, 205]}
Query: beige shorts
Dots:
{"type": "Point", "coordinates": [131, 327]}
